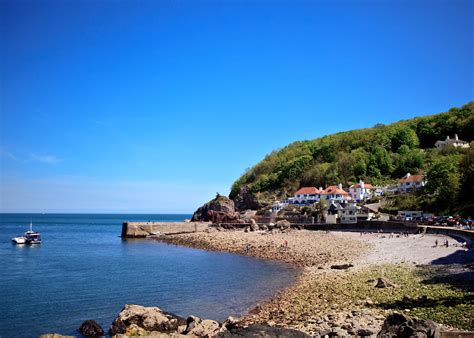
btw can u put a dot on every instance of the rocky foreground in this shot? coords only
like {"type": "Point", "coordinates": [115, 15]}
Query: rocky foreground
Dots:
{"type": "Point", "coordinates": [136, 320]}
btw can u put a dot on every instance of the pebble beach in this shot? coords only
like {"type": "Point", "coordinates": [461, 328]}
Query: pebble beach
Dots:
{"type": "Point", "coordinates": [336, 288]}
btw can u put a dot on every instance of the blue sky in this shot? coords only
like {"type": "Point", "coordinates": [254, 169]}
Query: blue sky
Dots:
{"type": "Point", "coordinates": [154, 106]}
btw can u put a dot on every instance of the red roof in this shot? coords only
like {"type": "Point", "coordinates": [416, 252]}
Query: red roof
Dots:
{"type": "Point", "coordinates": [334, 189]}
{"type": "Point", "coordinates": [308, 191]}
{"type": "Point", "coordinates": [366, 185]}
{"type": "Point", "coordinates": [411, 178]}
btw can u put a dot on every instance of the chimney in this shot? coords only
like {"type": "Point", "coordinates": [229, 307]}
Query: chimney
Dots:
{"type": "Point", "coordinates": [361, 184]}
{"type": "Point", "coordinates": [339, 186]}
{"type": "Point", "coordinates": [321, 188]}
{"type": "Point", "coordinates": [456, 137]}
{"type": "Point", "coordinates": [408, 175]}
{"type": "Point", "coordinates": [447, 137]}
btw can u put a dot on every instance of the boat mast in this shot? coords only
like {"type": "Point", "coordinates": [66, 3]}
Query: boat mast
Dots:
{"type": "Point", "coordinates": [31, 225]}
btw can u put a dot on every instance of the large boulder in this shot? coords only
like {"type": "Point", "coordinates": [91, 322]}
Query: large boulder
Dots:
{"type": "Point", "coordinates": [150, 319]}
{"type": "Point", "coordinates": [196, 326]}
{"type": "Point", "coordinates": [400, 325]}
{"type": "Point", "coordinates": [246, 200]}
{"type": "Point", "coordinates": [219, 210]}
{"type": "Point", "coordinates": [90, 328]}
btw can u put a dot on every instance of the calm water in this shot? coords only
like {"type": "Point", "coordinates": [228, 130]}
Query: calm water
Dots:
{"type": "Point", "coordinates": [83, 270]}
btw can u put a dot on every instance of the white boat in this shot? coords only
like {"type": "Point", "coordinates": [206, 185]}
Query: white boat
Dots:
{"type": "Point", "coordinates": [29, 237]}
{"type": "Point", "coordinates": [19, 240]}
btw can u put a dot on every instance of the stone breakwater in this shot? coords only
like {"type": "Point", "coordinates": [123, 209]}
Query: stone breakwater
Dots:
{"type": "Point", "coordinates": [153, 229]}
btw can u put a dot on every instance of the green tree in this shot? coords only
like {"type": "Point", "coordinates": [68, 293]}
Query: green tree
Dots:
{"type": "Point", "coordinates": [404, 135]}
{"type": "Point", "coordinates": [444, 183]}
{"type": "Point", "coordinates": [466, 194]}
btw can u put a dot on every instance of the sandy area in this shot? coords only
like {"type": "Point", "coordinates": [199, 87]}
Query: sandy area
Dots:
{"type": "Point", "coordinates": [417, 249]}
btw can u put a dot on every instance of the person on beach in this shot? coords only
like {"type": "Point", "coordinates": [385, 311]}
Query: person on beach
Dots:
{"type": "Point", "coordinates": [436, 243]}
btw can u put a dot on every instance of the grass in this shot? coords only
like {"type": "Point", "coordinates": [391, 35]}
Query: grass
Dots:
{"type": "Point", "coordinates": [445, 297]}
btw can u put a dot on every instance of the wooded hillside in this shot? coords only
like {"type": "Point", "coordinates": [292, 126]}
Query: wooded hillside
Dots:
{"type": "Point", "coordinates": [378, 155]}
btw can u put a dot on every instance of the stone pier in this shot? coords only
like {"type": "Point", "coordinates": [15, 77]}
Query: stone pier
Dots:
{"type": "Point", "coordinates": [151, 229]}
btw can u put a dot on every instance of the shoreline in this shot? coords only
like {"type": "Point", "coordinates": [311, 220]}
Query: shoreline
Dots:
{"type": "Point", "coordinates": [313, 303]}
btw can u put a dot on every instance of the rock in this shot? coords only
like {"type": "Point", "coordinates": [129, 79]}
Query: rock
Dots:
{"type": "Point", "coordinates": [247, 215]}
{"type": "Point", "coordinates": [90, 328]}
{"type": "Point", "coordinates": [341, 266]}
{"type": "Point", "coordinates": [365, 332]}
{"type": "Point", "coordinates": [219, 210]}
{"type": "Point", "coordinates": [262, 331]}
{"type": "Point", "coordinates": [201, 327]}
{"type": "Point", "coordinates": [230, 323]}
{"type": "Point", "coordinates": [384, 283]}
{"type": "Point", "coordinates": [246, 200]}
{"type": "Point", "coordinates": [283, 224]}
{"type": "Point", "coordinates": [399, 325]}
{"type": "Point", "coordinates": [146, 318]}
{"type": "Point", "coordinates": [253, 225]}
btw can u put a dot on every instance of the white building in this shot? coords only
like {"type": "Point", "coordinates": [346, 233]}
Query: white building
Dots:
{"type": "Point", "coordinates": [455, 142]}
{"type": "Point", "coordinates": [307, 195]}
{"type": "Point", "coordinates": [361, 191]}
{"type": "Point", "coordinates": [410, 183]}
{"type": "Point", "coordinates": [347, 213]}
{"type": "Point", "coordinates": [310, 195]}
{"type": "Point", "coordinates": [335, 193]}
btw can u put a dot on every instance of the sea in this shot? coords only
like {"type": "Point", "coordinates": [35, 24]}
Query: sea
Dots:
{"type": "Point", "coordinates": [84, 270]}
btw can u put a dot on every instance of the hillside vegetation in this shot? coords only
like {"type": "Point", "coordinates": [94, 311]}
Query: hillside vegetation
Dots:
{"type": "Point", "coordinates": [378, 155]}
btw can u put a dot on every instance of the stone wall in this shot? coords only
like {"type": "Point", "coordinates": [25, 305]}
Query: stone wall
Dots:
{"type": "Point", "coordinates": [149, 229]}
{"type": "Point", "coordinates": [366, 225]}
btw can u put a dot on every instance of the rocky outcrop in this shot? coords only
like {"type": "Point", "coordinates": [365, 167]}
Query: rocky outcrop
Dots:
{"type": "Point", "coordinates": [90, 328]}
{"type": "Point", "coordinates": [246, 200]}
{"type": "Point", "coordinates": [136, 320]}
{"type": "Point", "coordinates": [399, 325]}
{"type": "Point", "coordinates": [149, 319]}
{"type": "Point", "coordinates": [219, 210]}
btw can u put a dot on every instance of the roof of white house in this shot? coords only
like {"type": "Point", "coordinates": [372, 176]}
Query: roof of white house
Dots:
{"type": "Point", "coordinates": [411, 178]}
{"type": "Point", "coordinates": [449, 140]}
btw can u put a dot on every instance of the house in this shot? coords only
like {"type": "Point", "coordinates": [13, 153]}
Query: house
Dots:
{"type": "Point", "coordinates": [307, 195]}
{"type": "Point", "coordinates": [361, 191]}
{"type": "Point", "coordinates": [311, 195]}
{"type": "Point", "coordinates": [346, 213]}
{"type": "Point", "coordinates": [335, 193]}
{"type": "Point", "coordinates": [410, 183]}
{"type": "Point", "coordinates": [455, 142]}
